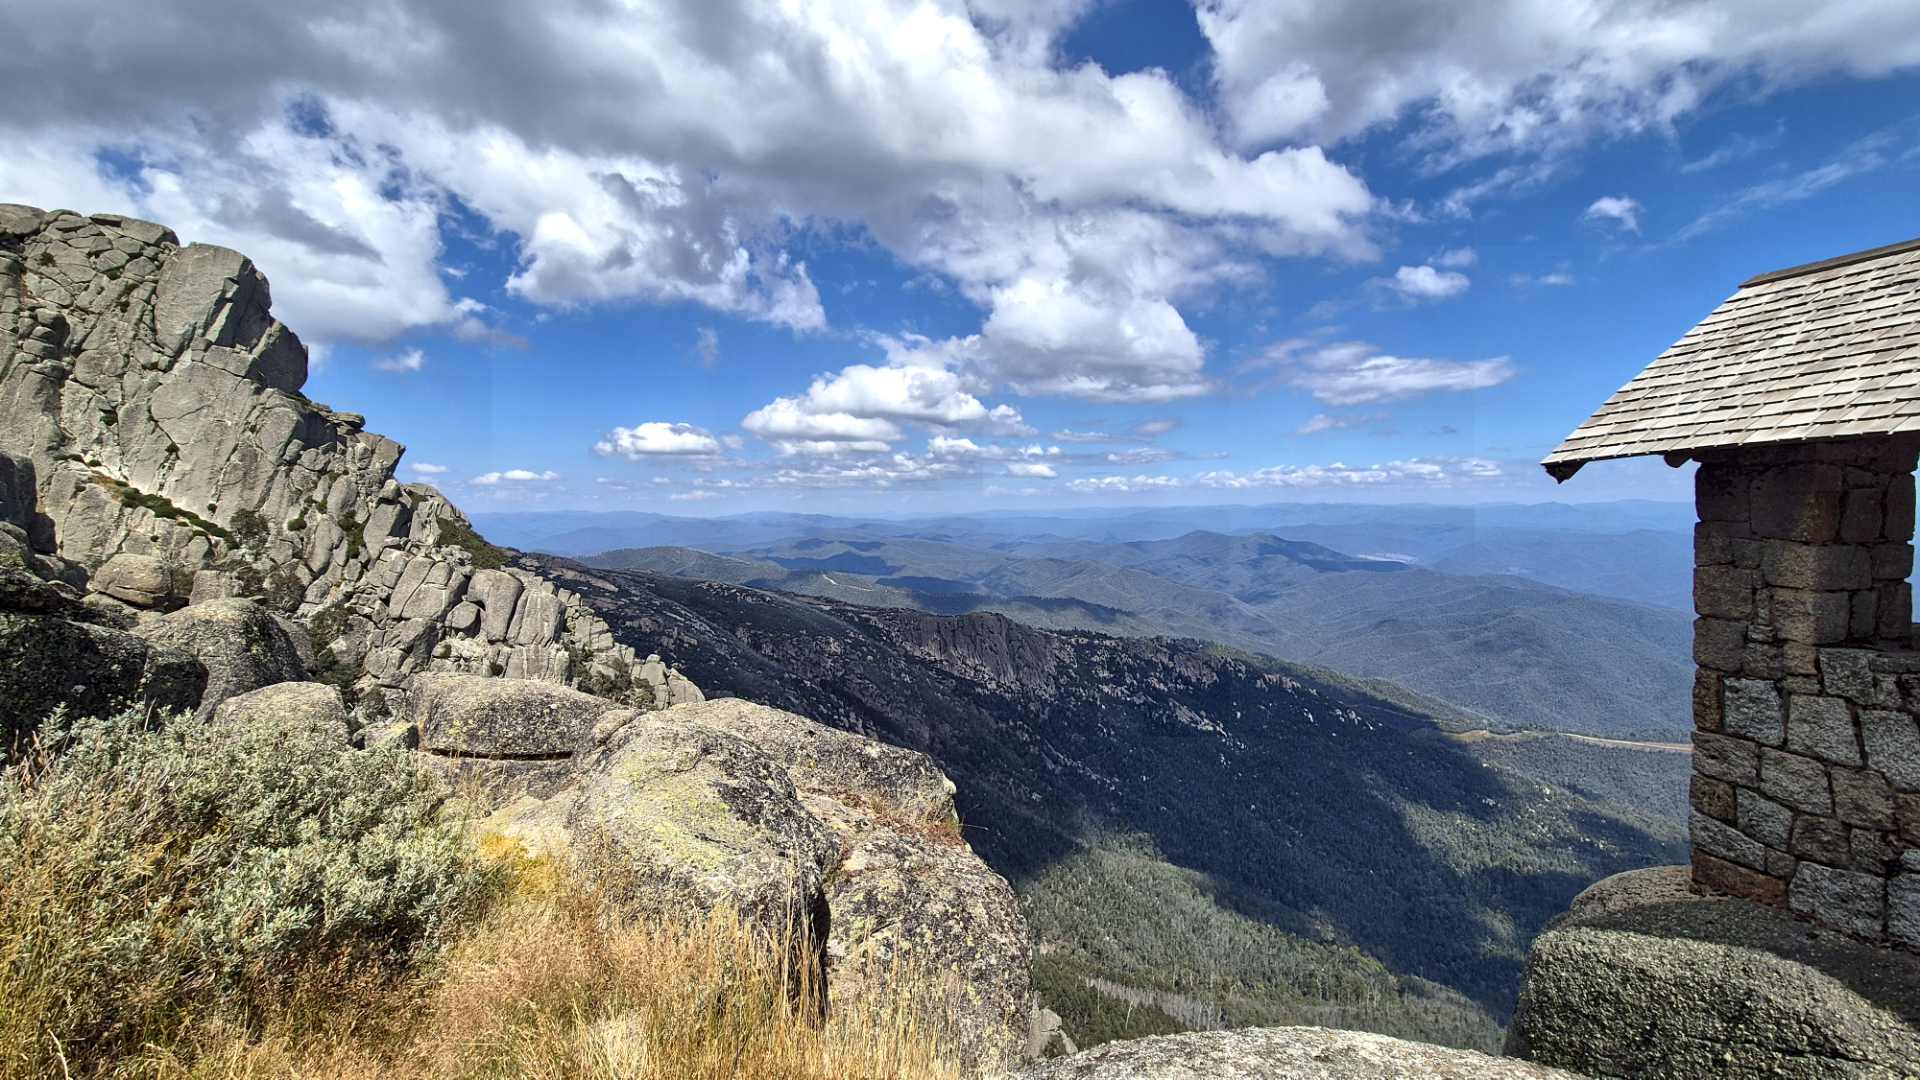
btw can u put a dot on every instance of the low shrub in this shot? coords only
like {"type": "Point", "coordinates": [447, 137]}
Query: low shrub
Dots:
{"type": "Point", "coordinates": [156, 876]}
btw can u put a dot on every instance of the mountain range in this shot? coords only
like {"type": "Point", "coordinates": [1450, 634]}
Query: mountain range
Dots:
{"type": "Point", "coordinates": [1236, 837]}
{"type": "Point", "coordinates": [1511, 647]}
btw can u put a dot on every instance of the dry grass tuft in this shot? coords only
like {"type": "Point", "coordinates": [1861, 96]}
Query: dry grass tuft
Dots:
{"type": "Point", "coordinates": [110, 968]}
{"type": "Point", "coordinates": [549, 988]}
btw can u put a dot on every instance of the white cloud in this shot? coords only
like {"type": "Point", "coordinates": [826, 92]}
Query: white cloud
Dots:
{"type": "Point", "coordinates": [1034, 470]}
{"type": "Point", "coordinates": [862, 407]}
{"type": "Point", "coordinates": [696, 495]}
{"type": "Point", "coordinates": [657, 438]}
{"type": "Point", "coordinates": [1864, 156]}
{"type": "Point", "coordinates": [1141, 455]}
{"type": "Point", "coordinates": [515, 476]}
{"type": "Point", "coordinates": [410, 360]}
{"type": "Point", "coordinates": [706, 346]}
{"type": "Point", "coordinates": [1418, 283]}
{"type": "Point", "coordinates": [1355, 373]}
{"type": "Point", "coordinates": [1122, 485]}
{"type": "Point", "coordinates": [1420, 471]}
{"type": "Point", "coordinates": [336, 146]}
{"type": "Point", "coordinates": [1553, 279]}
{"type": "Point", "coordinates": [1456, 258]}
{"type": "Point", "coordinates": [795, 428]}
{"type": "Point", "coordinates": [425, 468]}
{"type": "Point", "coordinates": [1622, 210]}
{"type": "Point", "coordinates": [1324, 422]}
{"type": "Point", "coordinates": [1478, 77]}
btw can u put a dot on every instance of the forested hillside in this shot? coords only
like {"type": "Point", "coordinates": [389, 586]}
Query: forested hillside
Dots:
{"type": "Point", "coordinates": [1270, 841]}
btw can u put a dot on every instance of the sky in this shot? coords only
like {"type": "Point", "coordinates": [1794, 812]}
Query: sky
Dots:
{"type": "Point", "coordinates": [720, 256]}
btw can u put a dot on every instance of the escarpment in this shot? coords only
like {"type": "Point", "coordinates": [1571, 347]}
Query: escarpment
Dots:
{"type": "Point", "coordinates": [154, 400]}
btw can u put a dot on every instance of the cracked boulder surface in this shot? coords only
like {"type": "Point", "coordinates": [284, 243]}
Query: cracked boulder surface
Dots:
{"type": "Point", "coordinates": [155, 404]}
{"type": "Point", "coordinates": [1642, 977]}
{"type": "Point", "coordinates": [1288, 1053]}
{"type": "Point", "coordinates": [796, 826]}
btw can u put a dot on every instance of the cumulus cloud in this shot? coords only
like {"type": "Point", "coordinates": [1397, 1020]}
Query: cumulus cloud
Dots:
{"type": "Point", "coordinates": [1035, 470]}
{"type": "Point", "coordinates": [425, 468]}
{"type": "Point", "coordinates": [515, 476]}
{"type": "Point", "coordinates": [669, 151]}
{"type": "Point", "coordinates": [1417, 283]}
{"type": "Point", "coordinates": [657, 439]}
{"type": "Point", "coordinates": [1622, 211]}
{"type": "Point", "coordinates": [410, 360]}
{"type": "Point", "coordinates": [1456, 258]}
{"type": "Point", "coordinates": [1356, 373]}
{"type": "Point", "coordinates": [862, 407]}
{"type": "Point", "coordinates": [1534, 76]}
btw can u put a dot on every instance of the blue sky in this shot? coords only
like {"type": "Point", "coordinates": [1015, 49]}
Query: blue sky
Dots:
{"type": "Point", "coordinates": [935, 255]}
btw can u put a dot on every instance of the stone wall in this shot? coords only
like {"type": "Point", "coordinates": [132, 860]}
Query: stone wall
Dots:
{"type": "Point", "coordinates": [1806, 783]}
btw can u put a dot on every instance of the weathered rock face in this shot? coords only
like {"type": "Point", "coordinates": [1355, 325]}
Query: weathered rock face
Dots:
{"type": "Point", "coordinates": [155, 404]}
{"type": "Point", "coordinates": [799, 827]}
{"type": "Point", "coordinates": [906, 895]}
{"type": "Point", "coordinates": [828, 761]}
{"type": "Point", "coordinates": [1645, 978]}
{"type": "Point", "coordinates": [910, 902]}
{"type": "Point", "coordinates": [143, 581]}
{"type": "Point", "coordinates": [241, 644]}
{"type": "Point", "coordinates": [47, 660]}
{"type": "Point", "coordinates": [306, 705]}
{"type": "Point", "coordinates": [1283, 1054]}
{"type": "Point", "coordinates": [484, 717]}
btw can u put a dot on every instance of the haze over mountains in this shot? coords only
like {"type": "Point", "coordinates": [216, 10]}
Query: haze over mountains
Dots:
{"type": "Point", "coordinates": [1560, 617]}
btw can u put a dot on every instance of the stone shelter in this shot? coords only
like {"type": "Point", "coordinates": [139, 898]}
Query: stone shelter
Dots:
{"type": "Point", "coordinates": [1799, 398]}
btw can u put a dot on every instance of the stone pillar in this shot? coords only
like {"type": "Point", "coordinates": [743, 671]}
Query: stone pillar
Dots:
{"type": "Point", "coordinates": [1807, 752]}
{"type": "Point", "coordinates": [1806, 769]}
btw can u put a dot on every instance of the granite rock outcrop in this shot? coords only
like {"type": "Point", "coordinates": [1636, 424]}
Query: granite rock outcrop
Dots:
{"type": "Point", "coordinates": [152, 408]}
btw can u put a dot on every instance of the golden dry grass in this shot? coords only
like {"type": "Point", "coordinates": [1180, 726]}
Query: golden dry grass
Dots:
{"type": "Point", "coordinates": [548, 986]}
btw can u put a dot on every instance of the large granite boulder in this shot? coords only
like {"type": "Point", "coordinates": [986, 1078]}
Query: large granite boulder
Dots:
{"type": "Point", "coordinates": [1644, 978]}
{"type": "Point", "coordinates": [479, 716]}
{"type": "Point", "coordinates": [143, 581]}
{"type": "Point", "coordinates": [47, 661]}
{"type": "Point", "coordinates": [307, 705]}
{"type": "Point", "coordinates": [1294, 1053]}
{"type": "Point", "coordinates": [823, 759]}
{"type": "Point", "coordinates": [241, 643]}
{"type": "Point", "coordinates": [672, 818]}
{"type": "Point", "coordinates": [911, 904]}
{"type": "Point", "coordinates": [727, 804]}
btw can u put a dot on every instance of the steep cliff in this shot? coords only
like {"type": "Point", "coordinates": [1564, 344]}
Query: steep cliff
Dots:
{"type": "Point", "coordinates": [157, 404]}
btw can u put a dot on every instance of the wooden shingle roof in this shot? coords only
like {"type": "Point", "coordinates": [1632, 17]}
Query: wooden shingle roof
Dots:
{"type": "Point", "coordinates": [1823, 351]}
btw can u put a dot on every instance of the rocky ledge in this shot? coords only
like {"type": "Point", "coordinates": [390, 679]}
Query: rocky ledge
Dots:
{"type": "Point", "coordinates": [1296, 1053]}
{"type": "Point", "coordinates": [1642, 977]}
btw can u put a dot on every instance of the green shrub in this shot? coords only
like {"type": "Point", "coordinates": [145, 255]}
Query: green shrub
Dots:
{"type": "Point", "coordinates": [153, 878]}
{"type": "Point", "coordinates": [249, 530]}
{"type": "Point", "coordinates": [159, 505]}
{"type": "Point", "coordinates": [455, 532]}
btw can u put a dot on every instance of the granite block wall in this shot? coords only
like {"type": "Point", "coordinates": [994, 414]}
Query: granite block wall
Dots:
{"type": "Point", "coordinates": [1806, 781]}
